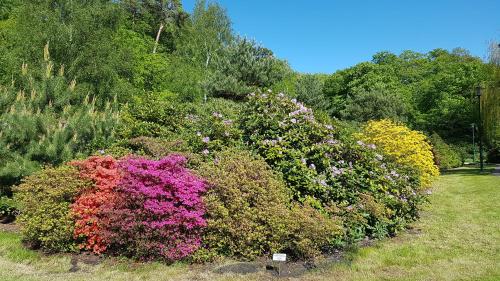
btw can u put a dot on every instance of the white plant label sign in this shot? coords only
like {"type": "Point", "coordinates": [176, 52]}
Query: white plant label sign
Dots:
{"type": "Point", "coordinates": [279, 257]}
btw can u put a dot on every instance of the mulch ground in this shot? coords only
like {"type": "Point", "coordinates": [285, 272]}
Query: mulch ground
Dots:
{"type": "Point", "coordinates": [9, 227]}
{"type": "Point", "coordinates": [287, 269]}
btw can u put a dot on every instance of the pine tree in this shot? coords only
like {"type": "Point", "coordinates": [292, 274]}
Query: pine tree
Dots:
{"type": "Point", "coordinates": [243, 67]}
{"type": "Point", "coordinates": [45, 119]}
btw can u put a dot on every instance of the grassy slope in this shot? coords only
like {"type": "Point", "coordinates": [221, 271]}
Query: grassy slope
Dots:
{"type": "Point", "coordinates": [458, 238]}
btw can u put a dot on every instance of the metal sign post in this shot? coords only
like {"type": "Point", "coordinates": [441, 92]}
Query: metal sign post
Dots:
{"type": "Point", "coordinates": [280, 258]}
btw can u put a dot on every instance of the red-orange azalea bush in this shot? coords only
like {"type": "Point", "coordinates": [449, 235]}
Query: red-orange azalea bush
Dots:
{"type": "Point", "coordinates": [87, 209]}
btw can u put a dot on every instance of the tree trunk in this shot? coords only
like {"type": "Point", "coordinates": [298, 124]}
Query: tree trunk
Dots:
{"type": "Point", "coordinates": [158, 37]}
{"type": "Point", "coordinates": [207, 61]}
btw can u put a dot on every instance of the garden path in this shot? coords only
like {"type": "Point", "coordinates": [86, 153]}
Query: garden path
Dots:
{"type": "Point", "coordinates": [496, 171]}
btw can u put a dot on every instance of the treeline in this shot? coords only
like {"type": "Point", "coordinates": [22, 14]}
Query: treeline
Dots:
{"type": "Point", "coordinates": [111, 69]}
{"type": "Point", "coordinates": [490, 106]}
{"type": "Point", "coordinates": [124, 48]}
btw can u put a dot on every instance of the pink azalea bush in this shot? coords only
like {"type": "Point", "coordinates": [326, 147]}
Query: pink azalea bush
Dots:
{"type": "Point", "coordinates": [158, 213]}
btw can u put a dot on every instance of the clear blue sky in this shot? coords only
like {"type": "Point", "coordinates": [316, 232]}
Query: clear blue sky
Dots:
{"type": "Point", "coordinates": [327, 35]}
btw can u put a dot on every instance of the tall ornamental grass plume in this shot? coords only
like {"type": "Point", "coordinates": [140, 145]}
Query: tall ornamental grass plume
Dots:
{"type": "Point", "coordinates": [158, 213]}
{"type": "Point", "coordinates": [404, 146]}
{"type": "Point", "coordinates": [88, 207]}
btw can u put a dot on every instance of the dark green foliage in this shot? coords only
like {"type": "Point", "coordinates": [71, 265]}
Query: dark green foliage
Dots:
{"type": "Point", "coordinates": [309, 90]}
{"type": "Point", "coordinates": [8, 209]}
{"type": "Point", "coordinates": [44, 200]}
{"type": "Point", "coordinates": [376, 104]}
{"type": "Point", "coordinates": [204, 127]}
{"type": "Point", "coordinates": [465, 151]}
{"type": "Point", "coordinates": [445, 156]}
{"type": "Point", "coordinates": [81, 36]}
{"type": "Point", "coordinates": [48, 119]}
{"type": "Point", "coordinates": [6, 7]}
{"type": "Point", "coordinates": [493, 155]}
{"type": "Point", "coordinates": [343, 87]}
{"type": "Point", "coordinates": [431, 92]}
{"type": "Point", "coordinates": [244, 67]}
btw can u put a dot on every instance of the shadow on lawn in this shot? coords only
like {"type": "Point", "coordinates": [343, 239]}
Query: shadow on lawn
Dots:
{"type": "Point", "coordinates": [468, 171]}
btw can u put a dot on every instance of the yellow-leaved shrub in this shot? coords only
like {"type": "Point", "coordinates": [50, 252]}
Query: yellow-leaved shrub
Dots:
{"type": "Point", "coordinates": [404, 146]}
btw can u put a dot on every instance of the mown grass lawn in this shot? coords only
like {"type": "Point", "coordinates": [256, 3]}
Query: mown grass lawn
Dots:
{"type": "Point", "coordinates": [458, 238]}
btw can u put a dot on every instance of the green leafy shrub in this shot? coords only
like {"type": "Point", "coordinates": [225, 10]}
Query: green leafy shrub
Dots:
{"type": "Point", "coordinates": [201, 128]}
{"type": "Point", "coordinates": [493, 155]}
{"type": "Point", "coordinates": [154, 147]}
{"type": "Point", "coordinates": [445, 156]}
{"type": "Point", "coordinates": [8, 209]}
{"type": "Point", "coordinates": [153, 116]}
{"type": "Point", "coordinates": [310, 233]}
{"type": "Point", "coordinates": [378, 103]}
{"type": "Point", "coordinates": [464, 150]}
{"type": "Point", "coordinates": [45, 200]}
{"type": "Point", "coordinates": [212, 127]}
{"type": "Point", "coordinates": [249, 213]}
{"type": "Point", "coordinates": [309, 90]}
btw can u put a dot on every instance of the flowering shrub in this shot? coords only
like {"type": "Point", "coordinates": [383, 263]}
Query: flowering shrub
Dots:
{"type": "Point", "coordinates": [374, 195]}
{"type": "Point", "coordinates": [45, 200]}
{"type": "Point", "coordinates": [213, 134]}
{"type": "Point", "coordinates": [205, 128]}
{"type": "Point", "coordinates": [212, 127]}
{"type": "Point", "coordinates": [404, 146]}
{"type": "Point", "coordinates": [158, 211]}
{"type": "Point", "coordinates": [248, 212]}
{"type": "Point", "coordinates": [287, 135]}
{"type": "Point", "coordinates": [334, 173]}
{"type": "Point", "coordinates": [310, 186]}
{"type": "Point", "coordinates": [87, 209]}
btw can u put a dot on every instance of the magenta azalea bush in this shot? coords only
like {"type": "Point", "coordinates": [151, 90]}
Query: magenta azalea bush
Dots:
{"type": "Point", "coordinates": [158, 213]}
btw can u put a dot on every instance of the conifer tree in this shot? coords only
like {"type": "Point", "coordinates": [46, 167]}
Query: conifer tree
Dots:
{"type": "Point", "coordinates": [45, 119]}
